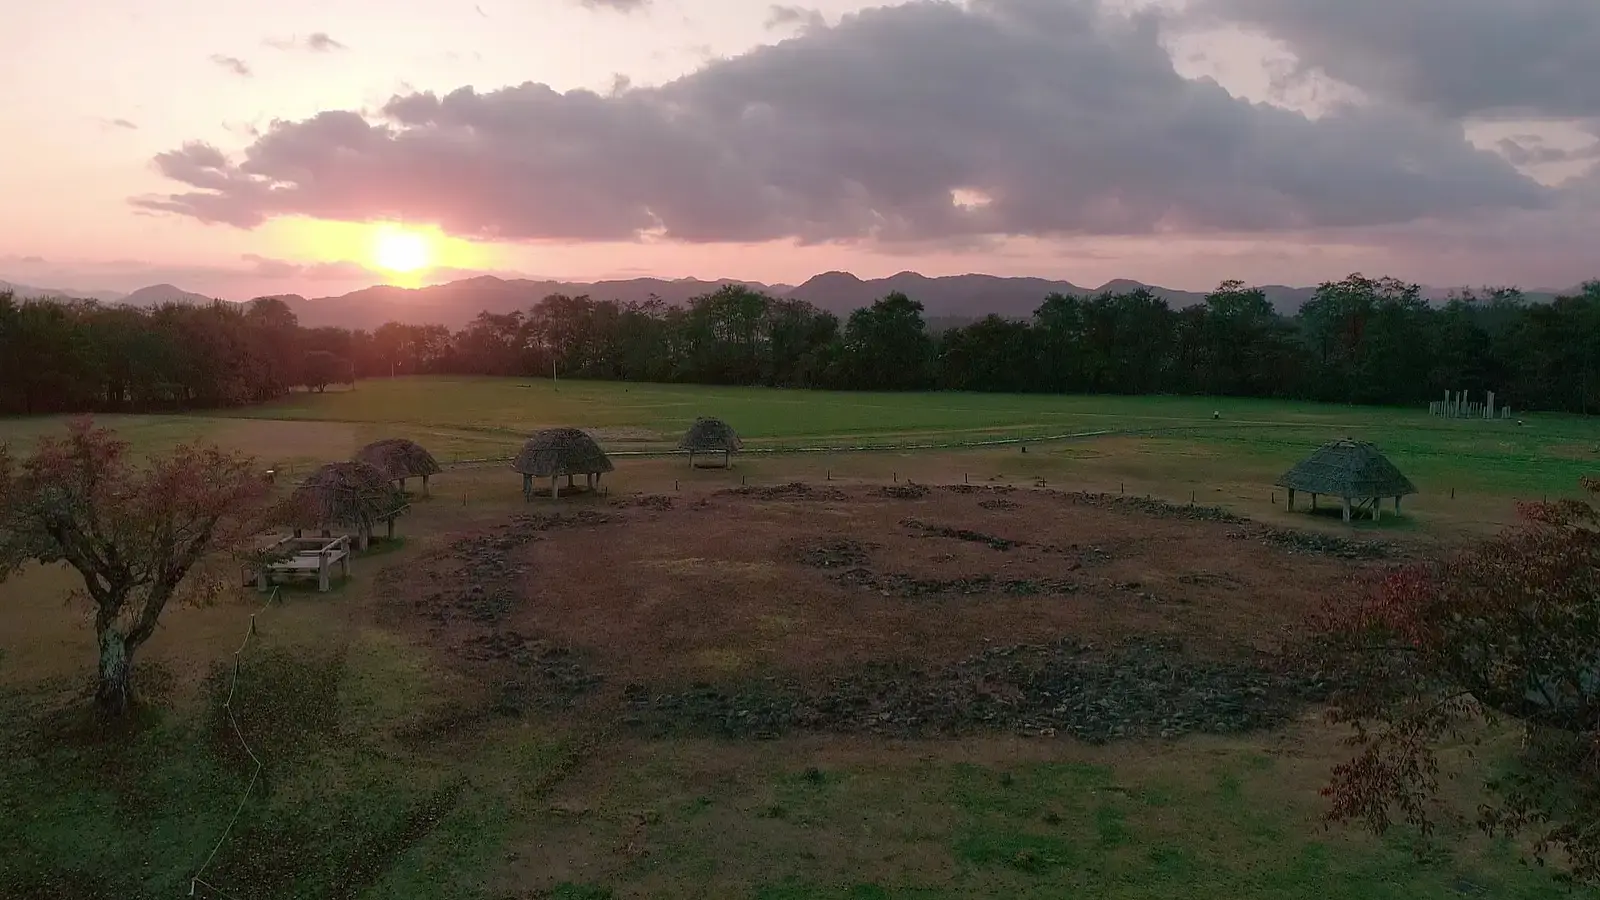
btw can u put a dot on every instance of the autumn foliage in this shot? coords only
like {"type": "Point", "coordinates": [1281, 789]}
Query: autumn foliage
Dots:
{"type": "Point", "coordinates": [1505, 632]}
{"type": "Point", "coordinates": [140, 535]}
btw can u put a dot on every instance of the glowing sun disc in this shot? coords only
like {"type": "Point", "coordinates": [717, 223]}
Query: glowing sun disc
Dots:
{"type": "Point", "coordinates": [400, 251]}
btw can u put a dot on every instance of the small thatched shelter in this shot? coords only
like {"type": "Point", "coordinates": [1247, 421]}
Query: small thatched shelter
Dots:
{"type": "Point", "coordinates": [346, 495]}
{"type": "Point", "coordinates": [560, 451]}
{"type": "Point", "coordinates": [1354, 471]}
{"type": "Point", "coordinates": [709, 435]}
{"type": "Point", "coordinates": [400, 459]}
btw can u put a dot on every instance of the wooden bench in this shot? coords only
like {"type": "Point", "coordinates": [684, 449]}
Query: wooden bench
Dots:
{"type": "Point", "coordinates": [307, 556]}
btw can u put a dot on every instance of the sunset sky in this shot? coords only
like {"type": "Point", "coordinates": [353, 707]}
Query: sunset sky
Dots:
{"type": "Point", "coordinates": [241, 148]}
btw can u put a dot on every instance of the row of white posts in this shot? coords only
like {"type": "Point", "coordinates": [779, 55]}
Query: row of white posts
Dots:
{"type": "Point", "coordinates": [1455, 405]}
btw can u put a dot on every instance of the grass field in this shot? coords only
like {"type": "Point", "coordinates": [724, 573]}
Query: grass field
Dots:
{"type": "Point", "coordinates": [1150, 440]}
{"type": "Point", "coordinates": [374, 790]}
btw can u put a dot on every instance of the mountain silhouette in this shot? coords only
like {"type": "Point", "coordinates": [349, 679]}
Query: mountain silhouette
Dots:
{"type": "Point", "coordinates": [951, 299]}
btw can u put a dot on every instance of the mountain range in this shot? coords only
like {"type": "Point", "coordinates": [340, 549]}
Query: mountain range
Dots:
{"type": "Point", "coordinates": [952, 297]}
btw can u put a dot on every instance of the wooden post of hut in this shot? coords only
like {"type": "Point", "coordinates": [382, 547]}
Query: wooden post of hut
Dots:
{"type": "Point", "coordinates": [1354, 471]}
{"type": "Point", "coordinates": [711, 435]}
{"type": "Point", "coordinates": [555, 452]}
{"type": "Point", "coordinates": [401, 460]}
{"type": "Point", "coordinates": [352, 496]}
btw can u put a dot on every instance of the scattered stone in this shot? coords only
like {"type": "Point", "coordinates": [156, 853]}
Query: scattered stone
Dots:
{"type": "Point", "coordinates": [979, 488]}
{"type": "Point", "coordinates": [836, 554]}
{"type": "Point", "coordinates": [1152, 507]}
{"type": "Point", "coordinates": [794, 490]}
{"type": "Point", "coordinates": [657, 502]}
{"type": "Point", "coordinates": [908, 491]}
{"type": "Point", "coordinates": [963, 534]}
{"type": "Point", "coordinates": [482, 592]}
{"type": "Point", "coordinates": [909, 587]}
{"type": "Point", "coordinates": [1324, 544]}
{"type": "Point", "coordinates": [1144, 688]}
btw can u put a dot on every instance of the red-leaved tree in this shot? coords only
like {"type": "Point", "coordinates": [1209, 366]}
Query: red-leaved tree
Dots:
{"type": "Point", "coordinates": [1508, 630]}
{"type": "Point", "coordinates": [139, 534]}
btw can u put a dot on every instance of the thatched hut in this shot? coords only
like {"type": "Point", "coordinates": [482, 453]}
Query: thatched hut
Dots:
{"type": "Point", "coordinates": [560, 451]}
{"type": "Point", "coordinates": [709, 435]}
{"type": "Point", "coordinates": [400, 459]}
{"type": "Point", "coordinates": [346, 495]}
{"type": "Point", "coordinates": [1354, 471]}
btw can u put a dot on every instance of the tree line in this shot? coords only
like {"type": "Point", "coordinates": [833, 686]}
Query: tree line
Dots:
{"type": "Point", "coordinates": [1358, 340]}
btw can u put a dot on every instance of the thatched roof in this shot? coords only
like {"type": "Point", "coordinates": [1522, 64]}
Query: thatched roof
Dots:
{"type": "Point", "coordinates": [399, 458]}
{"type": "Point", "coordinates": [344, 493]}
{"type": "Point", "coordinates": [708, 434]}
{"type": "Point", "coordinates": [1347, 468]}
{"type": "Point", "coordinates": [561, 451]}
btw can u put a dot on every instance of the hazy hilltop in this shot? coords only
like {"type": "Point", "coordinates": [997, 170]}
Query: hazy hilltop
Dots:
{"type": "Point", "coordinates": [160, 294]}
{"type": "Point", "coordinates": [945, 297]}
{"type": "Point", "coordinates": [28, 290]}
{"type": "Point", "coordinates": [949, 298]}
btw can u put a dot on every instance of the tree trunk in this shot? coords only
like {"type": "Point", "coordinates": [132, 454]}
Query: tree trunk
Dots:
{"type": "Point", "coordinates": [113, 695]}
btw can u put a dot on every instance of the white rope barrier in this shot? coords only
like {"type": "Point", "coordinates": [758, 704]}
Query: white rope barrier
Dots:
{"type": "Point", "coordinates": [233, 686]}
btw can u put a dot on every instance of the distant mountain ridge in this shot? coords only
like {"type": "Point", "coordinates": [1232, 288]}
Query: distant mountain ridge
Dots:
{"type": "Point", "coordinates": [27, 290]}
{"type": "Point", "coordinates": [454, 304]}
{"type": "Point", "coordinates": [159, 294]}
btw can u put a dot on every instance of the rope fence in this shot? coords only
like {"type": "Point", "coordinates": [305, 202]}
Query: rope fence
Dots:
{"type": "Point", "coordinates": [197, 880]}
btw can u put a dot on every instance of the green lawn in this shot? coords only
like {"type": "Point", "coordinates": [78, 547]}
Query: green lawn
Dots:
{"type": "Point", "coordinates": [476, 417]}
{"type": "Point", "coordinates": [348, 810]}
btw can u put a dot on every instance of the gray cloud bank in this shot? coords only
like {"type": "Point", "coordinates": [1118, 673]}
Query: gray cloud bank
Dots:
{"type": "Point", "coordinates": [1486, 58]}
{"type": "Point", "coordinates": [1059, 117]}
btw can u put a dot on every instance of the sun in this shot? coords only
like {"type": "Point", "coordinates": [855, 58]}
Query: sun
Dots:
{"type": "Point", "coordinates": [397, 250]}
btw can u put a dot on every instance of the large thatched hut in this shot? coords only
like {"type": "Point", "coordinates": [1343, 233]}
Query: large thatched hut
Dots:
{"type": "Point", "coordinates": [560, 451]}
{"type": "Point", "coordinates": [709, 435]}
{"type": "Point", "coordinates": [1354, 471]}
{"type": "Point", "coordinates": [400, 459]}
{"type": "Point", "coordinates": [346, 495]}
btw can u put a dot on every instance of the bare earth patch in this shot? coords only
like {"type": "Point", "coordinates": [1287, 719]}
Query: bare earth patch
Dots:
{"type": "Point", "coordinates": [758, 611]}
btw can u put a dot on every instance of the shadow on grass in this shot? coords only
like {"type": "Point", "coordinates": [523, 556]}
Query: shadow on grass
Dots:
{"type": "Point", "coordinates": [135, 815]}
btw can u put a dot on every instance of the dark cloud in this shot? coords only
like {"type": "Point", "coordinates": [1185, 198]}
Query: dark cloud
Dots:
{"type": "Point", "coordinates": [316, 42]}
{"type": "Point", "coordinates": [233, 64]}
{"type": "Point", "coordinates": [319, 42]}
{"type": "Point", "coordinates": [1045, 117]}
{"type": "Point", "coordinates": [1507, 58]}
{"type": "Point", "coordinates": [791, 16]}
{"type": "Point", "coordinates": [624, 6]}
